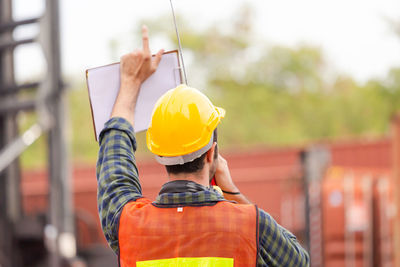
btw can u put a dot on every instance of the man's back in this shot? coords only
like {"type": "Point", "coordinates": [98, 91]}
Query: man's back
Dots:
{"type": "Point", "coordinates": [222, 231]}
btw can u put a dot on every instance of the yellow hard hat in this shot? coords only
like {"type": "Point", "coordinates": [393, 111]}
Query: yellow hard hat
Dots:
{"type": "Point", "coordinates": [182, 122]}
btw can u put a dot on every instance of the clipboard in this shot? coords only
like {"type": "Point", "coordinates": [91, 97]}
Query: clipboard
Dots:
{"type": "Point", "coordinates": [103, 86]}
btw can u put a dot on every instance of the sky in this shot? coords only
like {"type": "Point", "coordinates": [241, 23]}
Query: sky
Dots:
{"type": "Point", "coordinates": [354, 35]}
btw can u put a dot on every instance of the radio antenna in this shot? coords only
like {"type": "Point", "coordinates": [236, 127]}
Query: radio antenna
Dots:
{"type": "Point", "coordinates": [179, 42]}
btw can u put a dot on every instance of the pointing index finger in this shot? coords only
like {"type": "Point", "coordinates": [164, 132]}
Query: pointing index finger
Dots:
{"type": "Point", "coordinates": [145, 37]}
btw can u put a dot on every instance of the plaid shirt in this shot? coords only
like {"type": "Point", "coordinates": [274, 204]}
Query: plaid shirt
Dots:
{"type": "Point", "coordinates": [118, 183]}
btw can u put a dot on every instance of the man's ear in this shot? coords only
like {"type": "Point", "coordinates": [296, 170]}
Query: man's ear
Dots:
{"type": "Point", "coordinates": [210, 153]}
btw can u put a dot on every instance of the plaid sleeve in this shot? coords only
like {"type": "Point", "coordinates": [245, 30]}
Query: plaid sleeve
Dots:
{"type": "Point", "coordinates": [117, 175]}
{"type": "Point", "coordinates": [277, 246]}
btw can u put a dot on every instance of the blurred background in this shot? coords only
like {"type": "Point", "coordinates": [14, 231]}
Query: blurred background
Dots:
{"type": "Point", "coordinates": [312, 134]}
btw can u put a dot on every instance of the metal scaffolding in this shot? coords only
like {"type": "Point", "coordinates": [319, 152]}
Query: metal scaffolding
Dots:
{"type": "Point", "coordinates": [315, 161]}
{"type": "Point", "coordinates": [48, 103]}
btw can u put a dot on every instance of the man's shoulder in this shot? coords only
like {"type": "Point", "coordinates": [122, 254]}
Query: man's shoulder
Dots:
{"type": "Point", "coordinates": [137, 203]}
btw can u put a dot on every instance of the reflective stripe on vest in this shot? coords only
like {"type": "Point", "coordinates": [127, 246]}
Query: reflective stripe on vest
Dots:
{"type": "Point", "coordinates": [199, 236]}
{"type": "Point", "coordinates": [179, 262]}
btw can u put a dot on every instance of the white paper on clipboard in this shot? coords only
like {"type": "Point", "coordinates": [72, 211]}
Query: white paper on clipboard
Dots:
{"type": "Point", "coordinates": [104, 82]}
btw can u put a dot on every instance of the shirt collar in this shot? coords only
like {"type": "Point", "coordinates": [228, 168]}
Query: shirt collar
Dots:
{"type": "Point", "coordinates": [183, 192]}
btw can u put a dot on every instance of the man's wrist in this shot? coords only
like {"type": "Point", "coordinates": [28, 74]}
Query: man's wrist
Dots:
{"type": "Point", "coordinates": [228, 187]}
{"type": "Point", "coordinates": [129, 85]}
{"type": "Point", "coordinates": [125, 103]}
{"type": "Point", "coordinates": [230, 192]}
{"type": "Point", "coordinates": [129, 92]}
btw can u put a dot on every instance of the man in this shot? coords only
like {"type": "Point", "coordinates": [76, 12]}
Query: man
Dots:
{"type": "Point", "coordinates": [190, 223]}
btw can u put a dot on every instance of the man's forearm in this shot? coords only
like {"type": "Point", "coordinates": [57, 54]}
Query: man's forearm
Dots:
{"type": "Point", "coordinates": [125, 104]}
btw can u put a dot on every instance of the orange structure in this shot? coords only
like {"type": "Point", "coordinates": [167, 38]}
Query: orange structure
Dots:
{"type": "Point", "coordinates": [358, 218]}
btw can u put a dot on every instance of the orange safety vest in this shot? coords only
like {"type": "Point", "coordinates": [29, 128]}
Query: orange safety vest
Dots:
{"type": "Point", "coordinates": [225, 234]}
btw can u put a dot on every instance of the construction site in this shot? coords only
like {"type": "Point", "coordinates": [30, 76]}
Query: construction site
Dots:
{"type": "Point", "coordinates": [340, 196]}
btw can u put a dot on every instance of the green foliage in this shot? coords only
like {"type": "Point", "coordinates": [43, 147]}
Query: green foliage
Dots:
{"type": "Point", "coordinates": [84, 146]}
{"type": "Point", "coordinates": [35, 155]}
{"type": "Point", "coordinates": [273, 113]}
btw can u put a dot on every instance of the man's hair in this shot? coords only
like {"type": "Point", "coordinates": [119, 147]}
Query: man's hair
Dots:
{"type": "Point", "coordinates": [195, 165]}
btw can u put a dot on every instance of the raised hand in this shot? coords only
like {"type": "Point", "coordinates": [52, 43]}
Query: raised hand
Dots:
{"type": "Point", "coordinates": [135, 68]}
